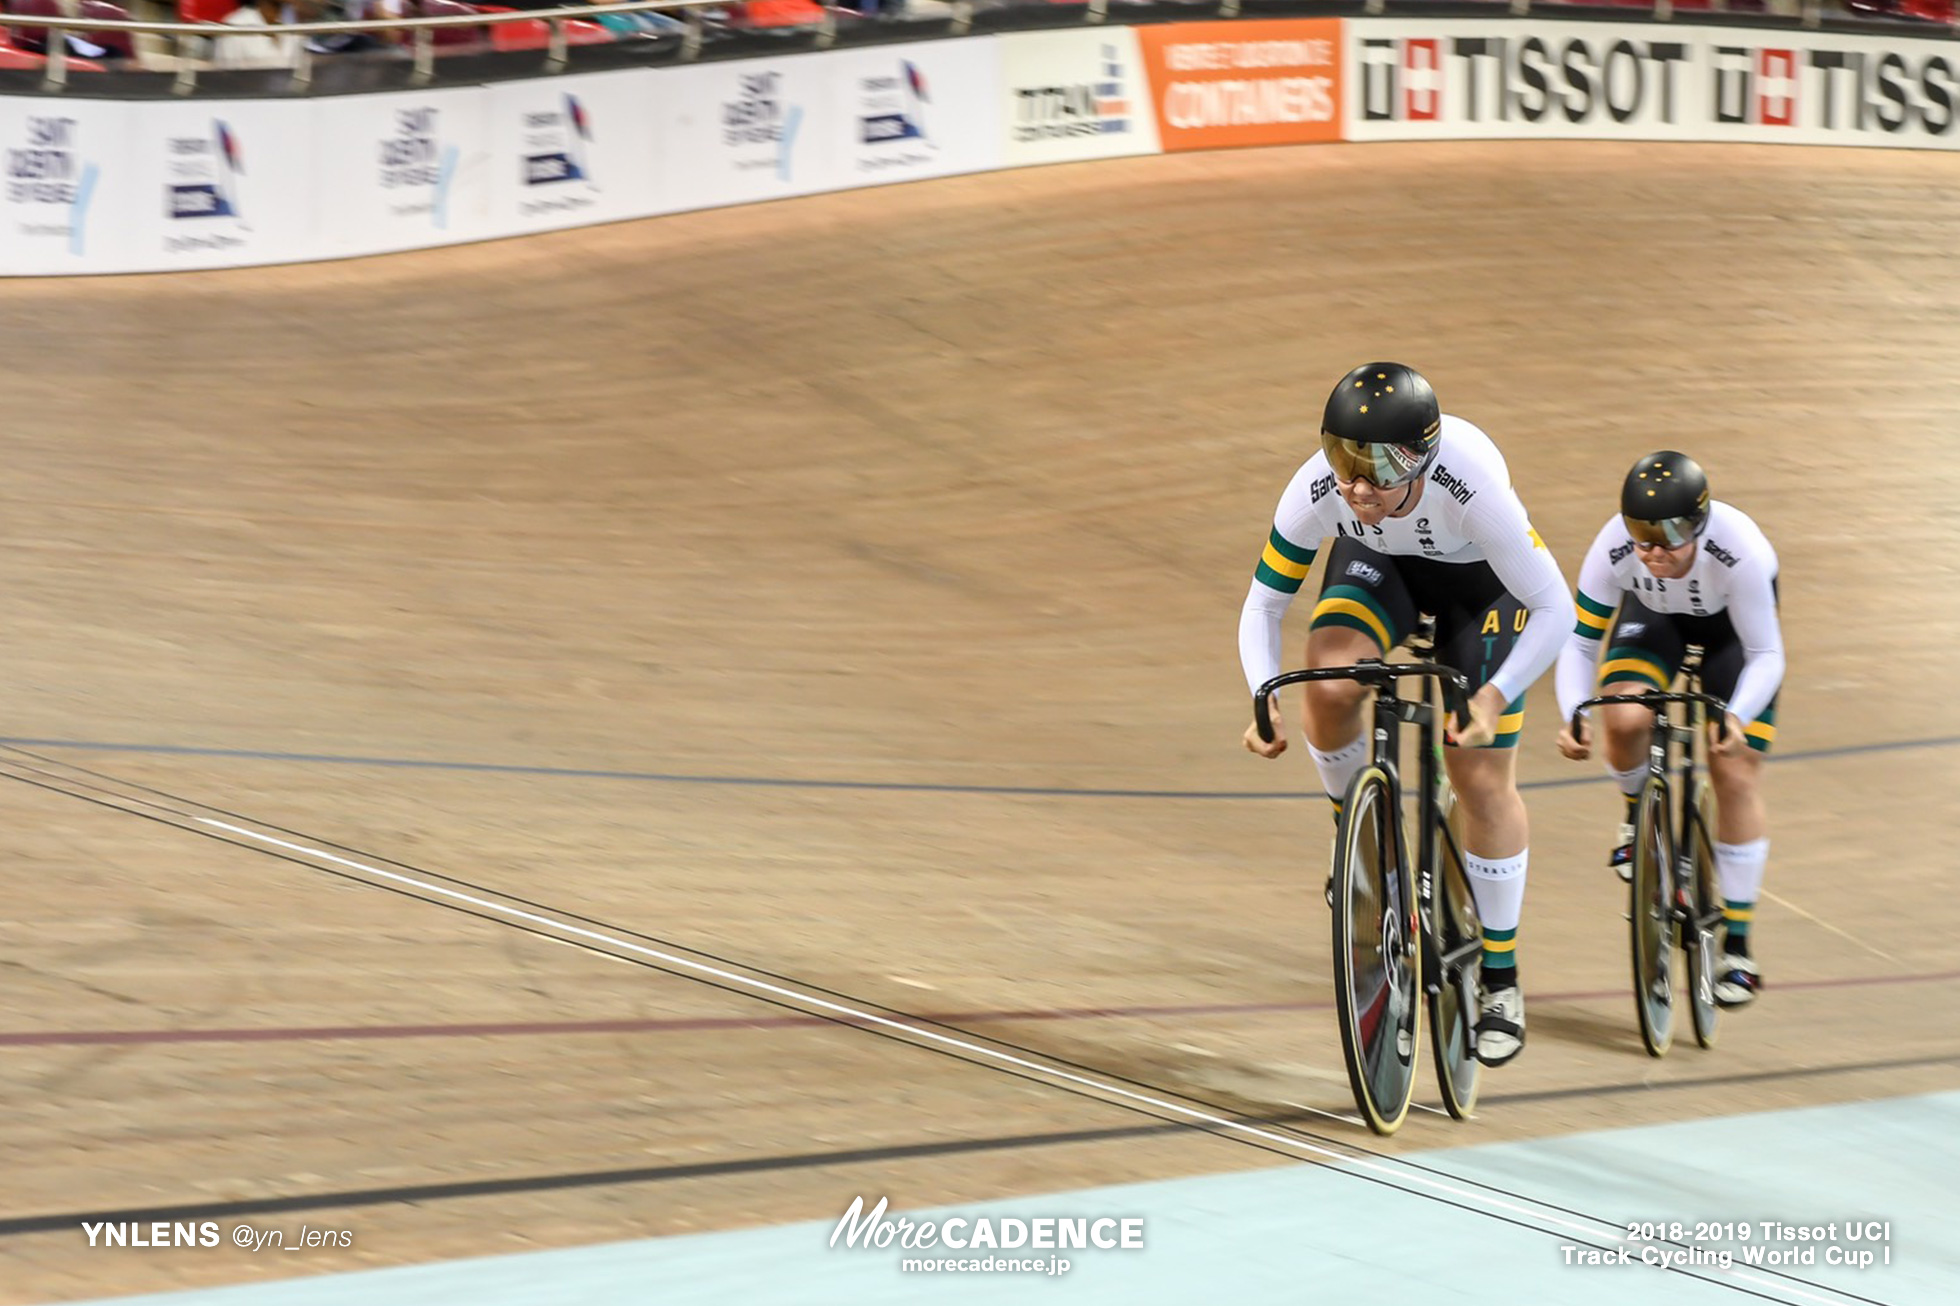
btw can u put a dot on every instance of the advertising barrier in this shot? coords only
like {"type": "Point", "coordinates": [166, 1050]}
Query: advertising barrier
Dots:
{"type": "Point", "coordinates": [1456, 79]}
{"type": "Point", "coordinates": [121, 186]}
{"type": "Point", "coordinates": [913, 111]}
{"type": "Point", "coordinates": [68, 197]}
{"type": "Point", "coordinates": [1070, 95]}
{"type": "Point", "coordinates": [404, 171]}
{"type": "Point", "coordinates": [221, 183]}
{"type": "Point", "coordinates": [571, 151]}
{"type": "Point", "coordinates": [1216, 85]}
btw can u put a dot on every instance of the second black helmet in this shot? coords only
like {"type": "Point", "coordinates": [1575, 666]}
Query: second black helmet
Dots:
{"type": "Point", "coordinates": [1664, 500]}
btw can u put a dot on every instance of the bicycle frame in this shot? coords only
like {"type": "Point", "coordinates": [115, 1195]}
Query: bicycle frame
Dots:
{"type": "Point", "coordinates": [1391, 713]}
{"type": "Point", "coordinates": [1666, 734]}
{"type": "Point", "coordinates": [1430, 949]}
{"type": "Point", "coordinates": [1690, 919]}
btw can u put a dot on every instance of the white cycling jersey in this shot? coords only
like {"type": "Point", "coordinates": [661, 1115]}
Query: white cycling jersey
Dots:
{"type": "Point", "coordinates": [1734, 571]}
{"type": "Point", "coordinates": [1468, 513]}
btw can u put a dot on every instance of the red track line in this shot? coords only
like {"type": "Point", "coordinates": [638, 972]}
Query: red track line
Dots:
{"type": "Point", "coordinates": [673, 1025]}
{"type": "Point", "coordinates": [84, 1038]}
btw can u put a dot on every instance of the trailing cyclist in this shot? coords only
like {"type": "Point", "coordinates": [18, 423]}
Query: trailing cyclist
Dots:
{"type": "Point", "coordinates": [1683, 569]}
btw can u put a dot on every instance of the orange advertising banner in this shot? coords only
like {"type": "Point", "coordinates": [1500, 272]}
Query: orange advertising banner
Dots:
{"type": "Point", "coordinates": [1264, 82]}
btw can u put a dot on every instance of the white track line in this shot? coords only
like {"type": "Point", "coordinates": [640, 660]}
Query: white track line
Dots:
{"type": "Point", "coordinates": [1397, 1178]}
{"type": "Point", "coordinates": [1845, 934]}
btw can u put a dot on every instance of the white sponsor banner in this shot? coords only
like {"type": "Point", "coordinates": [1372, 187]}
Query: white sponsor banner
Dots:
{"type": "Point", "coordinates": [1812, 89]}
{"type": "Point", "coordinates": [67, 194]}
{"type": "Point", "coordinates": [1477, 78]}
{"type": "Point", "coordinates": [572, 150]}
{"type": "Point", "coordinates": [104, 186]}
{"type": "Point", "coordinates": [910, 111]}
{"type": "Point", "coordinates": [756, 130]}
{"type": "Point", "coordinates": [403, 171]}
{"type": "Point", "coordinates": [1078, 94]}
{"type": "Point", "coordinates": [223, 183]}
{"type": "Point", "coordinates": [1461, 78]}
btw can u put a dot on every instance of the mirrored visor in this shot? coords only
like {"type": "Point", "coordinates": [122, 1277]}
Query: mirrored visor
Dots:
{"type": "Point", "coordinates": [1385, 466]}
{"type": "Point", "coordinates": [1667, 533]}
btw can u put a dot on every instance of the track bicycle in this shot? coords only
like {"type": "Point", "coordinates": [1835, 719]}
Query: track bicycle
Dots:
{"type": "Point", "coordinates": [1399, 921]}
{"type": "Point", "coordinates": [1672, 899]}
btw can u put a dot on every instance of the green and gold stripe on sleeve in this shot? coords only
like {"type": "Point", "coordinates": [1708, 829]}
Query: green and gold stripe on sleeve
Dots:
{"type": "Point", "coordinates": [1594, 617]}
{"type": "Point", "coordinates": [1283, 565]}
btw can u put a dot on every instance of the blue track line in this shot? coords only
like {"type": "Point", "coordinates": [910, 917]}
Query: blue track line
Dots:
{"type": "Point", "coordinates": [779, 782]}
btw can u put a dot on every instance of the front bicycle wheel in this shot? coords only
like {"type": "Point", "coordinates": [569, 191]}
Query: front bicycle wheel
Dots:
{"type": "Point", "coordinates": [1650, 914]}
{"type": "Point", "coordinates": [1704, 911]}
{"type": "Point", "coordinates": [1375, 971]}
{"type": "Point", "coordinates": [1455, 942]}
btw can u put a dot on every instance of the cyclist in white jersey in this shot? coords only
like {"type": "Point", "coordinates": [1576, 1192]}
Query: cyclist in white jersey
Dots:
{"type": "Point", "coordinates": [1424, 520]}
{"type": "Point", "coordinates": [1682, 570]}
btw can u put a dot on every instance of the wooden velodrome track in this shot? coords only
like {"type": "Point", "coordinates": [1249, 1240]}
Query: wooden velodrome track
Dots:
{"type": "Point", "coordinates": [937, 504]}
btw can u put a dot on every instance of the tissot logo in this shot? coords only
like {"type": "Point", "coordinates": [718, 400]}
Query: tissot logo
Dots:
{"type": "Point", "coordinates": [1836, 90]}
{"type": "Point", "coordinates": [1422, 79]}
{"type": "Point", "coordinates": [1501, 79]}
{"type": "Point", "coordinates": [1757, 86]}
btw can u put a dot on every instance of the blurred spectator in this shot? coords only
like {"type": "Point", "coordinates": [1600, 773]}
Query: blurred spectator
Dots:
{"type": "Point", "coordinates": [262, 48]}
{"type": "Point", "coordinates": [640, 24]}
{"type": "Point", "coordinates": [361, 11]}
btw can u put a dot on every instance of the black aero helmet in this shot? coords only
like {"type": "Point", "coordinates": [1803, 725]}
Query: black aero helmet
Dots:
{"type": "Point", "coordinates": [1665, 500]}
{"type": "Point", "coordinates": [1381, 423]}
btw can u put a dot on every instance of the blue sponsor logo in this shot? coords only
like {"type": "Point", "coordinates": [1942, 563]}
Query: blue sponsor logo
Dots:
{"type": "Point", "coordinates": [200, 200]}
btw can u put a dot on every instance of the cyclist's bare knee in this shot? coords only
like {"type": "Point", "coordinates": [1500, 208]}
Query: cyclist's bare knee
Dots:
{"type": "Point", "coordinates": [1334, 707]}
{"type": "Point", "coordinates": [1736, 776]}
{"type": "Point", "coordinates": [1484, 775]}
{"type": "Point", "coordinates": [1486, 782]}
{"type": "Point", "coordinates": [1626, 728]}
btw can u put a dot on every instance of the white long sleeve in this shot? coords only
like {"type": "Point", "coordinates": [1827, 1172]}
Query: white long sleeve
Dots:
{"type": "Point", "coordinates": [1752, 610]}
{"type": "Point", "coordinates": [1259, 633]}
{"type": "Point", "coordinates": [1598, 596]}
{"type": "Point", "coordinates": [1525, 566]}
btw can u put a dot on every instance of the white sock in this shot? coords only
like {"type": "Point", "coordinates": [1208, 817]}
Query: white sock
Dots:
{"type": "Point", "coordinates": [1629, 781]}
{"type": "Point", "coordinates": [1739, 869]}
{"type": "Point", "coordinates": [1498, 887]}
{"type": "Point", "coordinates": [1338, 767]}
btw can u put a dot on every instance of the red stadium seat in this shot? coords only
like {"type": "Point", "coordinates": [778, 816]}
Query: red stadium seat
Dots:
{"type": "Point", "coordinates": [776, 13]}
{"type": "Point", "coordinates": [119, 44]}
{"type": "Point", "coordinates": [205, 11]}
{"type": "Point", "coordinates": [535, 34]}
{"type": "Point", "coordinates": [12, 56]}
{"type": "Point", "coordinates": [451, 36]}
{"type": "Point", "coordinates": [34, 40]}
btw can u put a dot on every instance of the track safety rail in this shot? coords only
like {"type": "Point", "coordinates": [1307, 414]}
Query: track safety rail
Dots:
{"type": "Point", "coordinates": [690, 12]}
